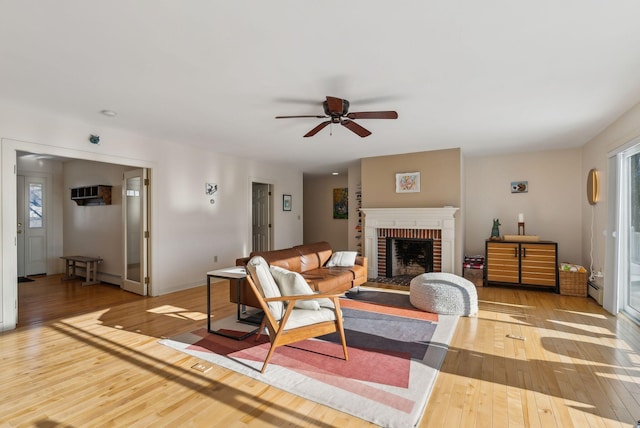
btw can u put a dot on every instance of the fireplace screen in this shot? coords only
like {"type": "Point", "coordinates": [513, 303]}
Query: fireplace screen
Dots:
{"type": "Point", "coordinates": [408, 256]}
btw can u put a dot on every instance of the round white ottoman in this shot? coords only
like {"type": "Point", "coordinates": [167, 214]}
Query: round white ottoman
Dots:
{"type": "Point", "coordinates": [443, 293]}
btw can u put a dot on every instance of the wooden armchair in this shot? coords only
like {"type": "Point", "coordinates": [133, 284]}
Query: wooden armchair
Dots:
{"type": "Point", "coordinates": [285, 322]}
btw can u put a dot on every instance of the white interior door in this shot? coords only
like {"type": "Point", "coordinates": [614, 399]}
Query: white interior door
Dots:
{"type": "Point", "coordinates": [32, 225]}
{"type": "Point", "coordinates": [136, 232]}
{"type": "Point", "coordinates": [261, 216]}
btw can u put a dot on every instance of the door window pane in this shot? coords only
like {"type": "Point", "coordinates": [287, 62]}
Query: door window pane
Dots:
{"type": "Point", "coordinates": [35, 206]}
{"type": "Point", "coordinates": [133, 228]}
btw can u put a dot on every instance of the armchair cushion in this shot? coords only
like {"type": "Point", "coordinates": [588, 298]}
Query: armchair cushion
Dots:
{"type": "Point", "coordinates": [293, 284]}
{"type": "Point", "coordinates": [259, 269]}
{"type": "Point", "coordinates": [302, 317]}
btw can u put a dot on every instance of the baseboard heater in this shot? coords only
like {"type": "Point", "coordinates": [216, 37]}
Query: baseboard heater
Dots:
{"type": "Point", "coordinates": [109, 278]}
{"type": "Point", "coordinates": [595, 291]}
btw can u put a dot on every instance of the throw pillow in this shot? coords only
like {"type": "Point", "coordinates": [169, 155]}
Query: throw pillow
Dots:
{"type": "Point", "coordinates": [343, 259]}
{"type": "Point", "coordinates": [293, 284]}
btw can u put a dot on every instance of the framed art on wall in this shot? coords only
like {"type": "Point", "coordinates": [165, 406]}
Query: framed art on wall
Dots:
{"type": "Point", "coordinates": [286, 202]}
{"type": "Point", "coordinates": [519, 186]}
{"type": "Point", "coordinates": [340, 203]}
{"type": "Point", "coordinates": [407, 182]}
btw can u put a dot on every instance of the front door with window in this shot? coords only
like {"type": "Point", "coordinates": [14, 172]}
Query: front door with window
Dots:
{"type": "Point", "coordinates": [32, 226]}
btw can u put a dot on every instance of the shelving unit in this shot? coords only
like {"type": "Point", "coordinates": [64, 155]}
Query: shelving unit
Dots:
{"type": "Point", "coordinates": [359, 225]}
{"type": "Point", "coordinates": [91, 195]}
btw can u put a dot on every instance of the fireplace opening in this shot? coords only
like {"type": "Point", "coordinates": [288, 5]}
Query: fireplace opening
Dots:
{"type": "Point", "coordinates": [408, 256]}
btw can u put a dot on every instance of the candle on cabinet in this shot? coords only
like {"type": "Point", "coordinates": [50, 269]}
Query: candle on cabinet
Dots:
{"type": "Point", "coordinates": [521, 218]}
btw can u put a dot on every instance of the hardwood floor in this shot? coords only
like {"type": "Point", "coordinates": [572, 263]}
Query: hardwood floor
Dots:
{"type": "Point", "coordinates": [88, 356]}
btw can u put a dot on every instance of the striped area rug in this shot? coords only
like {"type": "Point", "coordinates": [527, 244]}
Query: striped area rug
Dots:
{"type": "Point", "coordinates": [395, 352]}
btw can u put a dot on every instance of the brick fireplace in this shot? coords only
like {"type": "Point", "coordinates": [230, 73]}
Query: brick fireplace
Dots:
{"type": "Point", "coordinates": [389, 257]}
{"type": "Point", "coordinates": [437, 224]}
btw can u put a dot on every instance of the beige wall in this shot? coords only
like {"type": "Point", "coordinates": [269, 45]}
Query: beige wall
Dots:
{"type": "Point", "coordinates": [551, 207]}
{"type": "Point", "coordinates": [440, 185]}
{"type": "Point", "coordinates": [319, 224]}
{"type": "Point", "coordinates": [440, 180]}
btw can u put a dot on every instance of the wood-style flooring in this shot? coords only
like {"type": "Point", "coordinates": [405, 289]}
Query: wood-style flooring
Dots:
{"type": "Point", "coordinates": [88, 356]}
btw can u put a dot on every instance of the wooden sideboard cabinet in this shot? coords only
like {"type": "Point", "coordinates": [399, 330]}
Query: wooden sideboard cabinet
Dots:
{"type": "Point", "coordinates": [522, 263]}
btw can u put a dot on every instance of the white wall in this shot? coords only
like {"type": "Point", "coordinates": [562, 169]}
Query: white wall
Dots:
{"type": "Point", "coordinates": [186, 230]}
{"type": "Point", "coordinates": [595, 155]}
{"type": "Point", "coordinates": [551, 207]}
{"type": "Point", "coordinates": [95, 231]}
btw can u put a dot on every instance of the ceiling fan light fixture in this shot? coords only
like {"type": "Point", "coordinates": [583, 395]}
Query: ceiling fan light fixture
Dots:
{"type": "Point", "coordinates": [337, 111]}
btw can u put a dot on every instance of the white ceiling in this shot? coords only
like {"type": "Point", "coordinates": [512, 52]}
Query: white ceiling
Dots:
{"type": "Point", "coordinates": [488, 76]}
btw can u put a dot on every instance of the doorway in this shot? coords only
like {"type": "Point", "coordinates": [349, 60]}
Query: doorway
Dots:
{"type": "Point", "coordinates": [622, 252]}
{"type": "Point", "coordinates": [261, 213]}
{"type": "Point", "coordinates": [31, 228]}
{"type": "Point", "coordinates": [630, 231]}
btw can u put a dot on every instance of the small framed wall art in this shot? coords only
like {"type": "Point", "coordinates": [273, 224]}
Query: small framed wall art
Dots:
{"type": "Point", "coordinates": [407, 182]}
{"type": "Point", "coordinates": [519, 186]}
{"type": "Point", "coordinates": [286, 202]}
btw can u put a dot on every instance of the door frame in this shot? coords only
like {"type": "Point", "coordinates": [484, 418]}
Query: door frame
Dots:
{"type": "Point", "coordinates": [9, 215]}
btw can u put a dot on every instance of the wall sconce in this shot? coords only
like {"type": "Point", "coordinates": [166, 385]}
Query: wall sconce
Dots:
{"type": "Point", "coordinates": [593, 187]}
{"type": "Point", "coordinates": [210, 189]}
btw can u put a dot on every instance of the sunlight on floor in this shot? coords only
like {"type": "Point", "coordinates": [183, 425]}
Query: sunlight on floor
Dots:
{"type": "Point", "coordinates": [181, 313]}
{"type": "Point", "coordinates": [582, 327]}
{"type": "Point", "coordinates": [586, 314]}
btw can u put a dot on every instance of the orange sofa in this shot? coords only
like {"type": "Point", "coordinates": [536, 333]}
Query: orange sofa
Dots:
{"type": "Point", "coordinates": [310, 261]}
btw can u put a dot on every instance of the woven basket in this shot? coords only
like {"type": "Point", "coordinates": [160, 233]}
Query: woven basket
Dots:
{"type": "Point", "coordinates": [573, 283]}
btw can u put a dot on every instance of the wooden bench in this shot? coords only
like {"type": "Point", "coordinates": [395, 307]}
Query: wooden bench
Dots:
{"type": "Point", "coordinates": [91, 268]}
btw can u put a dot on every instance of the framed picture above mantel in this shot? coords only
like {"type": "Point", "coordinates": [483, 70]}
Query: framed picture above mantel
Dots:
{"type": "Point", "coordinates": [408, 182]}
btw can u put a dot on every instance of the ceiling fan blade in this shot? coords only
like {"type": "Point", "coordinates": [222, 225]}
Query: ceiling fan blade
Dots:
{"type": "Point", "coordinates": [335, 105]}
{"type": "Point", "coordinates": [293, 117]}
{"type": "Point", "coordinates": [355, 128]}
{"type": "Point", "coordinates": [317, 129]}
{"type": "Point", "coordinates": [373, 115]}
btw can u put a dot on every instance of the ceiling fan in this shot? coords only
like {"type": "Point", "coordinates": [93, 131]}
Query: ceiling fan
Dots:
{"type": "Point", "coordinates": [337, 111]}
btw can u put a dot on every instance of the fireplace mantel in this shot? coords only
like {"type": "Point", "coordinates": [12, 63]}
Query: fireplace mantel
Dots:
{"type": "Point", "coordinates": [409, 218]}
